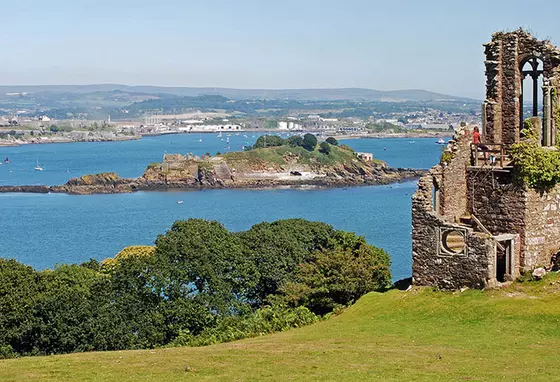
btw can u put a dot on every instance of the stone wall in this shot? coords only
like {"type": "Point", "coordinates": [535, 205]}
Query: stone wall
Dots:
{"type": "Point", "coordinates": [542, 233]}
{"type": "Point", "coordinates": [505, 56]}
{"type": "Point", "coordinates": [503, 207]}
{"type": "Point", "coordinates": [453, 179]}
{"type": "Point", "coordinates": [432, 267]}
{"type": "Point", "coordinates": [499, 205]}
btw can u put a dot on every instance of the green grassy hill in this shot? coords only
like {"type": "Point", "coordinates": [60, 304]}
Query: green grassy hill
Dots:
{"type": "Point", "coordinates": [507, 334]}
{"type": "Point", "coordinates": [276, 156]}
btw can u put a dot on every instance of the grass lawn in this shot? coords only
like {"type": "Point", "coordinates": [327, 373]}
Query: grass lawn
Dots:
{"type": "Point", "coordinates": [509, 334]}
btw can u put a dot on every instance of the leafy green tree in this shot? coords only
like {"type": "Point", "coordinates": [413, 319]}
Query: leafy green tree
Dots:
{"type": "Point", "coordinates": [295, 141]}
{"type": "Point", "coordinates": [19, 287]}
{"type": "Point", "coordinates": [325, 148]}
{"type": "Point", "coordinates": [339, 274]}
{"type": "Point", "coordinates": [269, 141]}
{"type": "Point", "coordinates": [203, 271]}
{"type": "Point", "coordinates": [332, 141]}
{"type": "Point", "coordinates": [309, 142]}
{"type": "Point", "coordinates": [278, 248]}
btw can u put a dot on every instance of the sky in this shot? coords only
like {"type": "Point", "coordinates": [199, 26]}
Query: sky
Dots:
{"type": "Point", "coordinates": [268, 44]}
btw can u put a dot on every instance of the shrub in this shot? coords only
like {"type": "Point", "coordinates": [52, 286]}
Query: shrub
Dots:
{"type": "Point", "coordinates": [339, 274]}
{"type": "Point", "coordinates": [266, 320]}
{"type": "Point", "coordinates": [295, 141]}
{"type": "Point", "coordinates": [269, 141]}
{"type": "Point", "coordinates": [309, 142]}
{"type": "Point", "coordinates": [325, 148]}
{"type": "Point", "coordinates": [332, 141]}
{"type": "Point", "coordinates": [446, 156]}
{"type": "Point", "coordinates": [535, 166]}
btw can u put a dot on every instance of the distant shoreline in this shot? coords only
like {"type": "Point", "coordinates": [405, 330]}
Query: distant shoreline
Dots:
{"type": "Point", "coordinates": [63, 139]}
{"type": "Point", "coordinates": [50, 140]}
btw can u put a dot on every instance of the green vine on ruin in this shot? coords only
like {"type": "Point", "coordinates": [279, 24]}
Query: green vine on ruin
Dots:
{"type": "Point", "coordinates": [446, 156]}
{"type": "Point", "coordinates": [535, 166]}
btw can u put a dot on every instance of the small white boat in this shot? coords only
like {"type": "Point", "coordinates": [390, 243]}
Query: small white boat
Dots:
{"type": "Point", "coordinates": [179, 202]}
{"type": "Point", "coordinates": [38, 168]}
{"type": "Point", "coordinates": [200, 140]}
{"type": "Point", "coordinates": [440, 142]}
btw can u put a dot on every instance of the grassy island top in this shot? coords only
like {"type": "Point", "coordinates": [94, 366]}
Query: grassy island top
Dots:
{"type": "Point", "coordinates": [301, 150]}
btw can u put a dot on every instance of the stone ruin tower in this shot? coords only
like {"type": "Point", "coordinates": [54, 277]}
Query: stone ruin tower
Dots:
{"type": "Point", "coordinates": [472, 224]}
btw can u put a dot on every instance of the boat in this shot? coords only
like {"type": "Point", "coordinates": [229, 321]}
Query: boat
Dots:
{"type": "Point", "coordinates": [440, 142]}
{"type": "Point", "coordinates": [7, 161]}
{"type": "Point", "coordinates": [179, 202]}
{"type": "Point", "coordinates": [200, 140]}
{"type": "Point", "coordinates": [38, 168]}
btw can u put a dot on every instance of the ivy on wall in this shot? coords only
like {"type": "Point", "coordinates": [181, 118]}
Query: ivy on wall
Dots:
{"type": "Point", "coordinates": [535, 166]}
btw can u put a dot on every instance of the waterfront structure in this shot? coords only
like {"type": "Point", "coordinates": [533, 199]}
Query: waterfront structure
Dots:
{"type": "Point", "coordinates": [473, 225]}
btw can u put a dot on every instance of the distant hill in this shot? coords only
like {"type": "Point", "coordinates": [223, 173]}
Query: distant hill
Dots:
{"type": "Point", "coordinates": [352, 94]}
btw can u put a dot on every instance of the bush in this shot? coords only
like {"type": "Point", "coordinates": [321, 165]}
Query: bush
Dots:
{"type": "Point", "coordinates": [200, 284]}
{"type": "Point", "coordinates": [446, 156]}
{"type": "Point", "coordinates": [269, 141]}
{"type": "Point", "coordinates": [295, 141]}
{"type": "Point", "coordinates": [339, 274]}
{"type": "Point", "coordinates": [266, 320]}
{"type": "Point", "coordinates": [535, 166]}
{"type": "Point", "coordinates": [325, 148]}
{"type": "Point", "coordinates": [309, 142]}
{"type": "Point", "coordinates": [332, 141]}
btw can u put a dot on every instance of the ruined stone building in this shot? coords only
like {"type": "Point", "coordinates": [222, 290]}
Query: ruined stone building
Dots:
{"type": "Point", "coordinates": [472, 224]}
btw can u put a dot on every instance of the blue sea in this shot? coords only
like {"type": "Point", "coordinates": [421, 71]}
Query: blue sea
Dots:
{"type": "Point", "coordinates": [43, 230]}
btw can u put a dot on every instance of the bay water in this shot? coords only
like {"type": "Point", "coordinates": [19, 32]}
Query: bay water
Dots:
{"type": "Point", "coordinates": [43, 230]}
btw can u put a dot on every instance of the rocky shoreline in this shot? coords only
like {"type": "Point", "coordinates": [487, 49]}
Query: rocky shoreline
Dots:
{"type": "Point", "coordinates": [111, 183]}
{"type": "Point", "coordinates": [14, 142]}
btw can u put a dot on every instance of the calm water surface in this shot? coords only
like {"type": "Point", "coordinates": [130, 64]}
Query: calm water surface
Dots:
{"type": "Point", "coordinates": [45, 230]}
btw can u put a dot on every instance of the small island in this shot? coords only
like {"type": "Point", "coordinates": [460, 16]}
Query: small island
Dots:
{"type": "Point", "coordinates": [271, 162]}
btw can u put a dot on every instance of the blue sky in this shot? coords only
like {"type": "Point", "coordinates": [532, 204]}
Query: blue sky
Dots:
{"type": "Point", "coordinates": [394, 44]}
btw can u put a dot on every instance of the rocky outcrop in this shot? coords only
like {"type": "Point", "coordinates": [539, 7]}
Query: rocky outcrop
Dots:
{"type": "Point", "coordinates": [104, 183]}
{"type": "Point", "coordinates": [190, 172]}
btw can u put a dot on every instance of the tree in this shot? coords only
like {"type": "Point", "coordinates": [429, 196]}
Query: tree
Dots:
{"type": "Point", "coordinates": [339, 274]}
{"type": "Point", "coordinates": [309, 142]}
{"type": "Point", "coordinates": [325, 148]}
{"type": "Point", "coordinates": [19, 286]}
{"type": "Point", "coordinates": [278, 248]}
{"type": "Point", "coordinates": [295, 141]}
{"type": "Point", "coordinates": [269, 141]}
{"type": "Point", "coordinates": [332, 141]}
{"type": "Point", "coordinates": [202, 271]}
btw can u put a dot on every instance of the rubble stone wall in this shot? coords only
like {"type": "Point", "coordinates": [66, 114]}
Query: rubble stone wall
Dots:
{"type": "Point", "coordinates": [453, 180]}
{"type": "Point", "coordinates": [499, 205]}
{"type": "Point", "coordinates": [505, 56]}
{"type": "Point", "coordinates": [431, 267]}
{"type": "Point", "coordinates": [542, 233]}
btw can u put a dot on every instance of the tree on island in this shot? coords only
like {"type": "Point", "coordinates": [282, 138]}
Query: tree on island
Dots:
{"type": "Point", "coordinates": [332, 141]}
{"type": "Point", "coordinates": [309, 142]}
{"type": "Point", "coordinates": [325, 148]}
{"type": "Point", "coordinates": [269, 141]}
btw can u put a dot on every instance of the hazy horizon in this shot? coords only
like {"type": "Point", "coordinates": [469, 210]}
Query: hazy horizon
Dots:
{"type": "Point", "coordinates": [248, 44]}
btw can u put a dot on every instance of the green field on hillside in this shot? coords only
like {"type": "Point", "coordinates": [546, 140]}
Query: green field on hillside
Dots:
{"type": "Point", "coordinates": [507, 334]}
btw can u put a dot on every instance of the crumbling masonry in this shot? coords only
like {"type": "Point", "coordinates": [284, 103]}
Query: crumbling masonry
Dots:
{"type": "Point", "coordinates": [472, 225]}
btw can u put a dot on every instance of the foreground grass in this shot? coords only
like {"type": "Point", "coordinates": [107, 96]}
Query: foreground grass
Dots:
{"type": "Point", "coordinates": [507, 334]}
